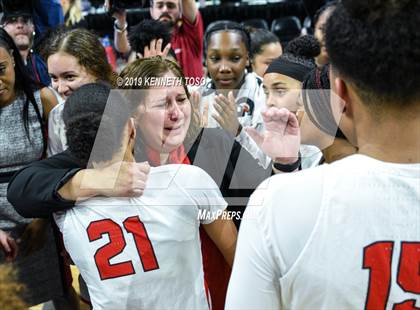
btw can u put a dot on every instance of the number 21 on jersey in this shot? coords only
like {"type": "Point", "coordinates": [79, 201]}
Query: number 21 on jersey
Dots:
{"type": "Point", "coordinates": [377, 257]}
{"type": "Point", "coordinates": [116, 245]}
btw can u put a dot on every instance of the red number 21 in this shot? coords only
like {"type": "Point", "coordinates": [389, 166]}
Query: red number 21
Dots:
{"type": "Point", "coordinates": [378, 259]}
{"type": "Point", "coordinates": [117, 244]}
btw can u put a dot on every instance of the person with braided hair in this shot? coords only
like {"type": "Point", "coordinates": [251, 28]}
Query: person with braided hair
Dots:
{"type": "Point", "coordinates": [319, 120]}
{"type": "Point", "coordinates": [346, 235]}
{"type": "Point", "coordinates": [232, 96]}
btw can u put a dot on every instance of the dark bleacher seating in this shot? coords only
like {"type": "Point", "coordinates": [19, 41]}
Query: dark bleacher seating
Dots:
{"type": "Point", "coordinates": [307, 26]}
{"type": "Point", "coordinates": [258, 23]}
{"type": "Point", "coordinates": [286, 28]}
{"type": "Point", "coordinates": [103, 23]}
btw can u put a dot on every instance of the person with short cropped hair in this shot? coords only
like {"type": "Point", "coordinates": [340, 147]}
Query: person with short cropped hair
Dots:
{"type": "Point", "coordinates": [346, 235]}
{"type": "Point", "coordinates": [100, 130]}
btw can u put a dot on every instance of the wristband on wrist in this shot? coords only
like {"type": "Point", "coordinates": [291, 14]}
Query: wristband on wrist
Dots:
{"type": "Point", "coordinates": [288, 167]}
{"type": "Point", "coordinates": [118, 29]}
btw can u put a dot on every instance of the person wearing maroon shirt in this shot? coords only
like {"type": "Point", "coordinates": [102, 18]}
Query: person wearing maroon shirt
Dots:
{"type": "Point", "coordinates": [187, 32]}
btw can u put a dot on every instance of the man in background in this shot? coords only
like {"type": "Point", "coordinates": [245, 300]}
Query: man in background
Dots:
{"type": "Point", "coordinates": [17, 20]}
{"type": "Point", "coordinates": [186, 26]}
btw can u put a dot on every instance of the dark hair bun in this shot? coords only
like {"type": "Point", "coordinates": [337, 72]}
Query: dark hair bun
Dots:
{"type": "Point", "coordinates": [373, 10]}
{"type": "Point", "coordinates": [304, 46]}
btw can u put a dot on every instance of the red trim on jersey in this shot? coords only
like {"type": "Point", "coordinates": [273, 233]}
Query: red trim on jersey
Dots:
{"type": "Point", "coordinates": [177, 156]}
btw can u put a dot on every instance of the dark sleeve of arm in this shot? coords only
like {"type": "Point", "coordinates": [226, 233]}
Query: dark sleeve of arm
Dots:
{"type": "Point", "coordinates": [47, 14]}
{"type": "Point", "coordinates": [33, 190]}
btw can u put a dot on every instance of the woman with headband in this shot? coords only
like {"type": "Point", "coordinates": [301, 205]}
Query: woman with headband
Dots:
{"type": "Point", "coordinates": [282, 84]}
{"type": "Point", "coordinates": [318, 123]}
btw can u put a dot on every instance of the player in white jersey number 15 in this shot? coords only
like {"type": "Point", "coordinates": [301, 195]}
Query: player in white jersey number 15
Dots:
{"type": "Point", "coordinates": [347, 235]}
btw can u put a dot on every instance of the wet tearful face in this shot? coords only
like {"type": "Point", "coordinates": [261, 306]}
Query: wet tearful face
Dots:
{"type": "Point", "coordinates": [164, 118]}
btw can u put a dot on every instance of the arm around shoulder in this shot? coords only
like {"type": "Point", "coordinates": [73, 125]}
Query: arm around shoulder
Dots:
{"type": "Point", "coordinates": [54, 184]}
{"type": "Point", "coordinates": [33, 190]}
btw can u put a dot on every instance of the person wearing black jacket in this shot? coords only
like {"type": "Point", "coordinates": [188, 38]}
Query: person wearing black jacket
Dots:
{"type": "Point", "coordinates": [52, 185]}
{"type": "Point", "coordinates": [47, 186]}
{"type": "Point", "coordinates": [34, 190]}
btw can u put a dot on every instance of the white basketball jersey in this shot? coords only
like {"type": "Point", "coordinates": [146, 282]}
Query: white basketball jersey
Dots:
{"type": "Point", "coordinates": [144, 253]}
{"type": "Point", "coordinates": [364, 251]}
{"type": "Point", "coordinates": [339, 236]}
